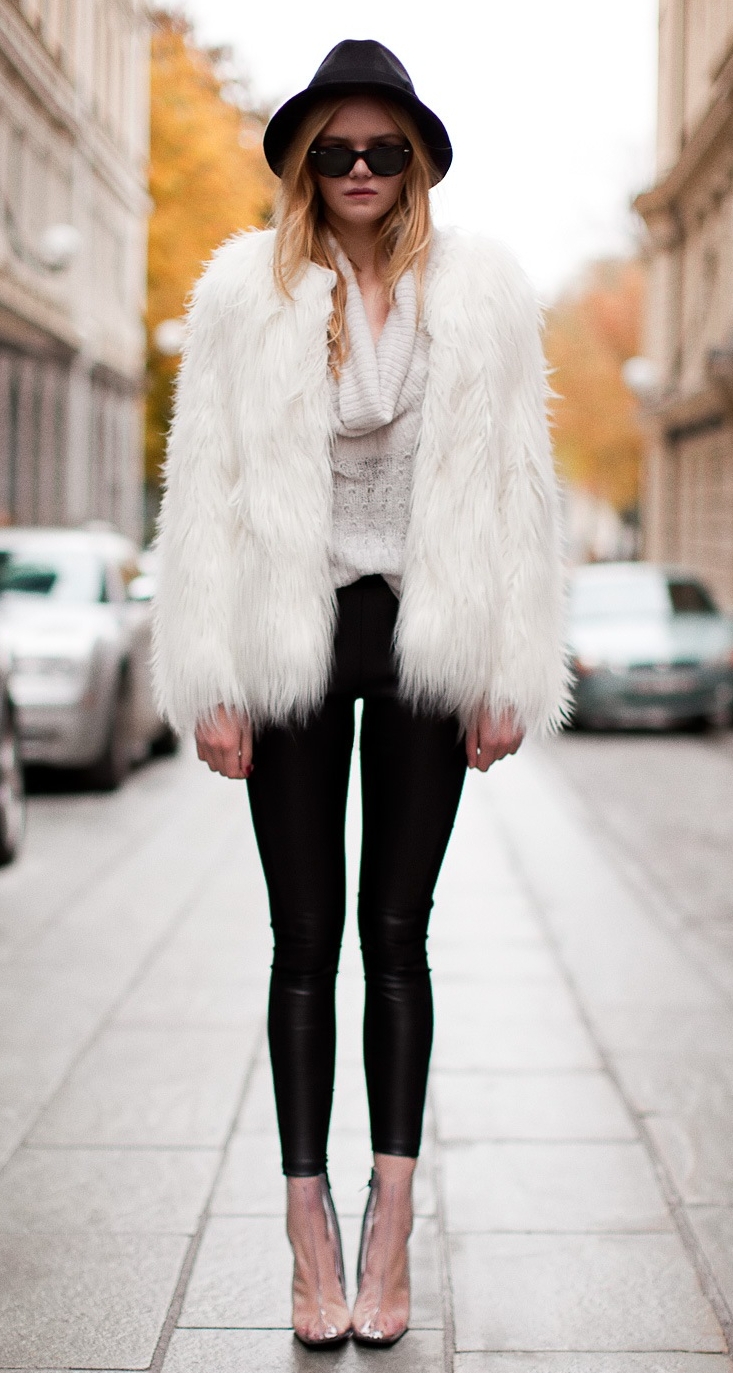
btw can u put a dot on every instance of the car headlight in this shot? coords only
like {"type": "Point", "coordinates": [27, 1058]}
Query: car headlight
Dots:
{"type": "Point", "coordinates": [48, 665]}
{"type": "Point", "coordinates": [584, 664]}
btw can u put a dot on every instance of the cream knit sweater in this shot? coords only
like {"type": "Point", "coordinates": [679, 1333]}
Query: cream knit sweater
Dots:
{"type": "Point", "coordinates": [377, 401]}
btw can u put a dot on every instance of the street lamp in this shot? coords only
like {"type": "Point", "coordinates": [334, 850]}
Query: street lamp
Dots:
{"type": "Point", "coordinates": [58, 245]}
{"type": "Point", "coordinates": [641, 375]}
{"type": "Point", "coordinates": [169, 337]}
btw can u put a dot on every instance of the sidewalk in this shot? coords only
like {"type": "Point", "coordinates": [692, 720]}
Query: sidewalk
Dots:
{"type": "Point", "coordinates": [575, 1195]}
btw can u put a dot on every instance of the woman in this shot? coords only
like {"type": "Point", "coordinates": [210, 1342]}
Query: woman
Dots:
{"type": "Point", "coordinates": [359, 503]}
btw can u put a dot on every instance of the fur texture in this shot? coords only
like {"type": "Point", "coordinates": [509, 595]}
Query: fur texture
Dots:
{"type": "Point", "coordinates": [245, 607]}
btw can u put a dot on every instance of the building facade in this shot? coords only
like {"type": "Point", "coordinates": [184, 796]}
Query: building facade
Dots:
{"type": "Point", "coordinates": [688, 497]}
{"type": "Point", "coordinates": [73, 209]}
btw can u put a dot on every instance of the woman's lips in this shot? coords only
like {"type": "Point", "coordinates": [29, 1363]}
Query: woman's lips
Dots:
{"type": "Point", "coordinates": [360, 193]}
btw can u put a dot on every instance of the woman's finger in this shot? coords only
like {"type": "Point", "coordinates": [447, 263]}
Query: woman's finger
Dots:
{"type": "Point", "coordinates": [486, 756]}
{"type": "Point", "coordinates": [245, 748]}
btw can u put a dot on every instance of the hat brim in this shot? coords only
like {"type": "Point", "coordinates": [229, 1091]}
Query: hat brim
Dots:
{"type": "Point", "coordinates": [284, 124]}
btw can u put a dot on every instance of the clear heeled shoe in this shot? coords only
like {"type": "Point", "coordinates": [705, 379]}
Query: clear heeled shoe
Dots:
{"type": "Point", "coordinates": [369, 1329]}
{"type": "Point", "coordinates": [317, 1209]}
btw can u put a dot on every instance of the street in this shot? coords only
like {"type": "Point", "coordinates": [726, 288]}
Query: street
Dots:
{"type": "Point", "coordinates": [574, 1203]}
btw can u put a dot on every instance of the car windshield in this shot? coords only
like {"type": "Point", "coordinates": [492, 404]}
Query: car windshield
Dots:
{"type": "Point", "coordinates": [634, 595]}
{"type": "Point", "coordinates": [626, 596]}
{"type": "Point", "coordinates": [690, 598]}
{"type": "Point", "coordinates": [74, 576]}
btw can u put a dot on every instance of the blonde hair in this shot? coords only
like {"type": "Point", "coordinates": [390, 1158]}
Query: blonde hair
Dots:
{"type": "Point", "coordinates": [303, 234]}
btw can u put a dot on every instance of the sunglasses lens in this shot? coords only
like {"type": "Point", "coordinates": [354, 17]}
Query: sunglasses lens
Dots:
{"type": "Point", "coordinates": [384, 161]}
{"type": "Point", "coordinates": [387, 161]}
{"type": "Point", "coordinates": [333, 161]}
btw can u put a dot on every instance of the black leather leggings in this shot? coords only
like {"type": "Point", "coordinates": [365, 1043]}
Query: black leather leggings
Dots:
{"type": "Point", "coordinates": [412, 771]}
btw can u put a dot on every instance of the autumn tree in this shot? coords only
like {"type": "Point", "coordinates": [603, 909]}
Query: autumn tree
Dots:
{"type": "Point", "coordinates": [591, 331]}
{"type": "Point", "coordinates": [208, 178]}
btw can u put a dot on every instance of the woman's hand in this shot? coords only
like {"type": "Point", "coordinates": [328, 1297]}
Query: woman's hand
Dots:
{"type": "Point", "coordinates": [226, 745]}
{"type": "Point", "coordinates": [492, 738]}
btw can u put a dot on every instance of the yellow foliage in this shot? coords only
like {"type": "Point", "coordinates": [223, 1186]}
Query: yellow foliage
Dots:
{"type": "Point", "coordinates": [208, 177]}
{"type": "Point", "coordinates": [591, 331]}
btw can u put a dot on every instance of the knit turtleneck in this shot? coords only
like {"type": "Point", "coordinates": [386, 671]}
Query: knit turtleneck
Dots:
{"type": "Point", "coordinates": [377, 401]}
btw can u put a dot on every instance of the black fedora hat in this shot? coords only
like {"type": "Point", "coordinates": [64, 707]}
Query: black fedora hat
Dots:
{"type": "Point", "coordinates": [353, 67]}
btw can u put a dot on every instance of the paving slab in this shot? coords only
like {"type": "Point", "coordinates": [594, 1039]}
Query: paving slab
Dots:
{"type": "Point", "coordinates": [162, 1001]}
{"type": "Point", "coordinates": [277, 1351]}
{"type": "Point", "coordinates": [167, 1087]}
{"type": "Point", "coordinates": [559, 1186]}
{"type": "Point", "coordinates": [490, 962]}
{"type": "Point", "coordinates": [496, 920]}
{"type": "Point", "coordinates": [218, 945]}
{"type": "Point", "coordinates": [243, 1274]}
{"type": "Point", "coordinates": [27, 1081]}
{"type": "Point", "coordinates": [713, 1226]}
{"type": "Point", "coordinates": [698, 1152]}
{"type": "Point", "coordinates": [492, 1042]}
{"type": "Point", "coordinates": [252, 1184]}
{"type": "Point", "coordinates": [115, 1190]}
{"type": "Point", "coordinates": [615, 951]}
{"type": "Point", "coordinates": [112, 926]}
{"type": "Point", "coordinates": [574, 1105]}
{"type": "Point", "coordinates": [592, 1363]}
{"type": "Point", "coordinates": [85, 1300]}
{"type": "Point", "coordinates": [105, 828]}
{"type": "Point", "coordinates": [661, 1029]}
{"type": "Point", "coordinates": [545, 999]}
{"type": "Point", "coordinates": [579, 1292]}
{"type": "Point", "coordinates": [671, 1084]}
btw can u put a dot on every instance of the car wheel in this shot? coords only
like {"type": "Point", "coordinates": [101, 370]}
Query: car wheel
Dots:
{"type": "Point", "coordinates": [113, 765]}
{"type": "Point", "coordinates": [12, 792]}
{"type": "Point", "coordinates": [721, 718]}
{"type": "Point", "coordinates": [165, 744]}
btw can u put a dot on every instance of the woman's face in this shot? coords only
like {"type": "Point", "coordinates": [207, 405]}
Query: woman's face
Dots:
{"type": "Point", "coordinates": [360, 197]}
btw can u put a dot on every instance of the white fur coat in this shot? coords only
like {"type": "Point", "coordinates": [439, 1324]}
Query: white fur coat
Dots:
{"type": "Point", "coordinates": [245, 607]}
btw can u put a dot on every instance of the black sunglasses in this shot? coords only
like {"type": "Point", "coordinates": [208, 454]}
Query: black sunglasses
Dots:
{"type": "Point", "coordinates": [386, 160]}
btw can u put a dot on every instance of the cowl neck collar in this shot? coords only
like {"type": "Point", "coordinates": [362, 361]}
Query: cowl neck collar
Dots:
{"type": "Point", "coordinates": [370, 391]}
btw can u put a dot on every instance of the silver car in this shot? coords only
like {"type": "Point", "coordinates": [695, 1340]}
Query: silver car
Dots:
{"type": "Point", "coordinates": [75, 612]}
{"type": "Point", "coordinates": [650, 647]}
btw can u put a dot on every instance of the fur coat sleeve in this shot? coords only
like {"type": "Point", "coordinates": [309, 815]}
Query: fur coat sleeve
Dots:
{"type": "Point", "coordinates": [531, 674]}
{"type": "Point", "coordinates": [193, 663]}
{"type": "Point", "coordinates": [481, 618]}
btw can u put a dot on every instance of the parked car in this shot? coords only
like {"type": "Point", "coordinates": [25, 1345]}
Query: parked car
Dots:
{"type": "Point", "coordinates": [12, 785]}
{"type": "Point", "coordinates": [75, 610]}
{"type": "Point", "coordinates": [650, 647]}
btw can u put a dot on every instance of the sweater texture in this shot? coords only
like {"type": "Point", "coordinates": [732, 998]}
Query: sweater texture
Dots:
{"type": "Point", "coordinates": [377, 401]}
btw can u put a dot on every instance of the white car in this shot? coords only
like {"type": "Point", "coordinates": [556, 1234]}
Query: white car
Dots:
{"type": "Point", "coordinates": [75, 613]}
{"type": "Point", "coordinates": [12, 781]}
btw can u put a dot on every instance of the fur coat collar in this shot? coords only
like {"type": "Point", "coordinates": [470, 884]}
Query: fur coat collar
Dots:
{"type": "Point", "coordinates": [245, 607]}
